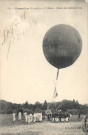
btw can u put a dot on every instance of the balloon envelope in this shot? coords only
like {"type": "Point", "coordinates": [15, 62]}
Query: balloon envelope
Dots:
{"type": "Point", "coordinates": [62, 45]}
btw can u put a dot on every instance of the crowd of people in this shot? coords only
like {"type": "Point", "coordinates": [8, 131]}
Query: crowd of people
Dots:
{"type": "Point", "coordinates": [36, 117]}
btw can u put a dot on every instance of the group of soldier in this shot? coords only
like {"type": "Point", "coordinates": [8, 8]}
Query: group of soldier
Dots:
{"type": "Point", "coordinates": [36, 117]}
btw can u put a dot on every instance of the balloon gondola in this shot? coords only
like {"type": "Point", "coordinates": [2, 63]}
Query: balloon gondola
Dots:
{"type": "Point", "coordinates": [62, 45]}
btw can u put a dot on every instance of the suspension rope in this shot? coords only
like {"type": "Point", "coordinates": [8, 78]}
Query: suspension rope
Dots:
{"type": "Point", "coordinates": [55, 88]}
{"type": "Point", "coordinates": [57, 74]}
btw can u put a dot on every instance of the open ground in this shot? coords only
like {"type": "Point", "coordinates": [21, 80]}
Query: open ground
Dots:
{"type": "Point", "coordinates": [7, 127]}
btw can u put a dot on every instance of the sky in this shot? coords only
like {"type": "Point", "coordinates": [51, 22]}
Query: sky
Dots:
{"type": "Point", "coordinates": [25, 73]}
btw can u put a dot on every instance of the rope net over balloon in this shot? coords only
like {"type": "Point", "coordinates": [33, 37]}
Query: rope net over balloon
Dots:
{"type": "Point", "coordinates": [62, 45]}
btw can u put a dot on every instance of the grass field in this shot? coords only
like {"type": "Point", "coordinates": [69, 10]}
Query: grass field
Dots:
{"type": "Point", "coordinates": [7, 127]}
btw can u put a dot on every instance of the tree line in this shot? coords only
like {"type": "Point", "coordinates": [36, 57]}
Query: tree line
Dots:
{"type": "Point", "coordinates": [72, 107]}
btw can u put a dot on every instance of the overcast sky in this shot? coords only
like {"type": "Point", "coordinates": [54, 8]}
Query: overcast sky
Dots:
{"type": "Point", "coordinates": [25, 73]}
